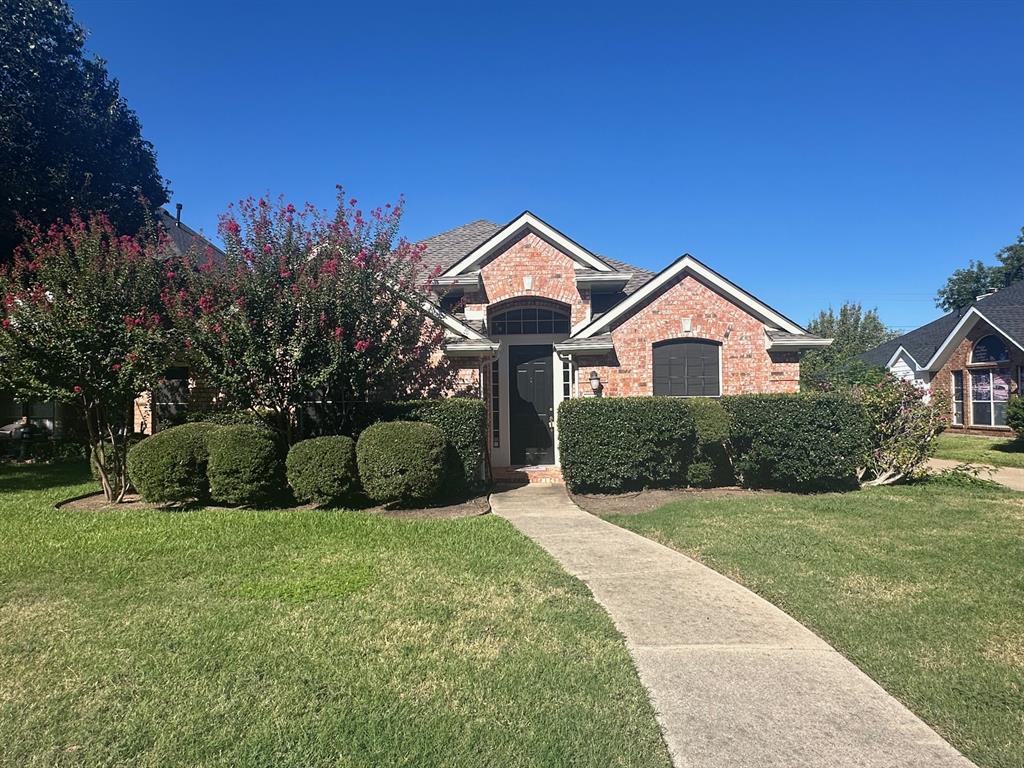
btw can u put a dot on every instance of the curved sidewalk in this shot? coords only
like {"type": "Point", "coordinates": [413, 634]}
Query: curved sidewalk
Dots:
{"type": "Point", "coordinates": [734, 680]}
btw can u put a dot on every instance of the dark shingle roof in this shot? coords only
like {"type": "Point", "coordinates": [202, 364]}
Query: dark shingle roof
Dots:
{"type": "Point", "coordinates": [445, 249]}
{"type": "Point", "coordinates": [181, 236]}
{"type": "Point", "coordinates": [1005, 308]}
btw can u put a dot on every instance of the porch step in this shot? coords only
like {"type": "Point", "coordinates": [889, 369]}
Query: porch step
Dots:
{"type": "Point", "coordinates": [540, 475]}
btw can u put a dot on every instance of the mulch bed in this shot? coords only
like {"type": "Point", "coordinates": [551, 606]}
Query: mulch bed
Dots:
{"type": "Point", "coordinates": [474, 507]}
{"type": "Point", "coordinates": [638, 502]}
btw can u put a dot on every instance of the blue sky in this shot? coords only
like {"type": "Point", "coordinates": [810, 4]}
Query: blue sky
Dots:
{"type": "Point", "coordinates": [812, 153]}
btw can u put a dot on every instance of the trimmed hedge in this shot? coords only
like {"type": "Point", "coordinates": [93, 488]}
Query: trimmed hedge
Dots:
{"type": "Point", "coordinates": [245, 465]}
{"type": "Point", "coordinates": [401, 461]}
{"type": "Point", "coordinates": [462, 421]}
{"type": "Point", "coordinates": [171, 465]}
{"type": "Point", "coordinates": [623, 443]}
{"type": "Point", "coordinates": [711, 466]}
{"type": "Point", "coordinates": [808, 442]}
{"type": "Point", "coordinates": [322, 469]}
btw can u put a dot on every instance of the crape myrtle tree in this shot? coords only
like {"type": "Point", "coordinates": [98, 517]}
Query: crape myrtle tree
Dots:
{"type": "Point", "coordinates": [307, 307]}
{"type": "Point", "coordinates": [81, 323]}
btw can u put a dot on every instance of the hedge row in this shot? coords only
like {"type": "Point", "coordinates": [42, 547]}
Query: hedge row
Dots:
{"type": "Point", "coordinates": [806, 442]}
{"type": "Point", "coordinates": [623, 443]}
{"type": "Point", "coordinates": [439, 446]}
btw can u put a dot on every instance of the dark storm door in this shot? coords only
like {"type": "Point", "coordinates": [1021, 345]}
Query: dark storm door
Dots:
{"type": "Point", "coordinates": [531, 408]}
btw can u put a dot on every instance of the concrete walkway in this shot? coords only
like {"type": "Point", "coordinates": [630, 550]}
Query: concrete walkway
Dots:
{"type": "Point", "coordinates": [1011, 477]}
{"type": "Point", "coordinates": [734, 680]}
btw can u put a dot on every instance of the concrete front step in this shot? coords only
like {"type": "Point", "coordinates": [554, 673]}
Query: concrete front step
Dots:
{"type": "Point", "coordinates": [536, 475]}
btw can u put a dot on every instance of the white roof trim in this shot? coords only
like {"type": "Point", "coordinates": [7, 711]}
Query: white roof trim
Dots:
{"type": "Point", "coordinates": [896, 354]}
{"type": "Point", "coordinates": [472, 348]}
{"type": "Point", "coordinates": [798, 343]}
{"type": "Point", "coordinates": [527, 221]}
{"type": "Point", "coordinates": [961, 329]}
{"type": "Point", "coordinates": [450, 322]}
{"type": "Point", "coordinates": [689, 264]}
{"type": "Point", "coordinates": [601, 345]}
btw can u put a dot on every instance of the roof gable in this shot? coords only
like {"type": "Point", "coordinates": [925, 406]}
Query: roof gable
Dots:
{"type": "Point", "coordinates": [514, 231]}
{"type": "Point", "coordinates": [688, 265]}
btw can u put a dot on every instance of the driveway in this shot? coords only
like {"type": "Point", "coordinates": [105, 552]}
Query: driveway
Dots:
{"type": "Point", "coordinates": [734, 680]}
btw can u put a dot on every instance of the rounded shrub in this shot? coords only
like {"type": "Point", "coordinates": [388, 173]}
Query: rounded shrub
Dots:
{"type": "Point", "coordinates": [171, 465]}
{"type": "Point", "coordinates": [1015, 416]}
{"type": "Point", "coordinates": [401, 461]}
{"type": "Point", "coordinates": [323, 469]}
{"type": "Point", "coordinates": [245, 465]}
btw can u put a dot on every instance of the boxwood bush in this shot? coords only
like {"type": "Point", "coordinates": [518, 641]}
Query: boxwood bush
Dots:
{"type": "Point", "coordinates": [1015, 416]}
{"type": "Point", "coordinates": [807, 442]}
{"type": "Point", "coordinates": [323, 469]}
{"type": "Point", "coordinates": [623, 443]}
{"type": "Point", "coordinates": [170, 466]}
{"type": "Point", "coordinates": [245, 465]}
{"type": "Point", "coordinates": [711, 466]}
{"type": "Point", "coordinates": [462, 421]}
{"type": "Point", "coordinates": [401, 461]}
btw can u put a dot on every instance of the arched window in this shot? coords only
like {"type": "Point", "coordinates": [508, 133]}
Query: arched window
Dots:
{"type": "Point", "coordinates": [536, 319]}
{"type": "Point", "coordinates": [687, 368]}
{"type": "Point", "coordinates": [990, 349]}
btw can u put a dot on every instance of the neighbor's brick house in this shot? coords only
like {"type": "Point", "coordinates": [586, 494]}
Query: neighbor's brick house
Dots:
{"type": "Point", "coordinates": [534, 318]}
{"type": "Point", "coordinates": [975, 355]}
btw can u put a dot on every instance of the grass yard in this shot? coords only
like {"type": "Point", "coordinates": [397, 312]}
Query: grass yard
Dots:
{"type": "Point", "coordinates": [976, 449]}
{"type": "Point", "coordinates": [921, 586]}
{"type": "Point", "coordinates": [300, 638]}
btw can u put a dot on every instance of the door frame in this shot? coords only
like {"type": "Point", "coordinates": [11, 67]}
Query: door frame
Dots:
{"type": "Point", "coordinates": [501, 456]}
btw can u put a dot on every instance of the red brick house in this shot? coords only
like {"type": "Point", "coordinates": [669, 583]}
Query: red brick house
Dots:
{"type": "Point", "coordinates": [975, 355]}
{"type": "Point", "coordinates": [534, 318]}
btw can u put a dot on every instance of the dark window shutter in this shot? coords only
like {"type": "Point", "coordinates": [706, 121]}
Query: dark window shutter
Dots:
{"type": "Point", "coordinates": [686, 368]}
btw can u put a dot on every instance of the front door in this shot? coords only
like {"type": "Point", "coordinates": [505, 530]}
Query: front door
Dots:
{"type": "Point", "coordinates": [531, 405]}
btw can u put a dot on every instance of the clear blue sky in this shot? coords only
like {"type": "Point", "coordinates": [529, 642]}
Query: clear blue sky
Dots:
{"type": "Point", "coordinates": [811, 152]}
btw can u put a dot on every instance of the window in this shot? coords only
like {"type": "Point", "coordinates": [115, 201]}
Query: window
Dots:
{"type": "Point", "coordinates": [958, 397]}
{"type": "Point", "coordinates": [495, 405]}
{"type": "Point", "coordinates": [990, 349]}
{"type": "Point", "coordinates": [532, 320]}
{"type": "Point", "coordinates": [687, 368]}
{"type": "Point", "coordinates": [990, 391]}
{"type": "Point", "coordinates": [567, 380]}
{"type": "Point", "coordinates": [170, 399]}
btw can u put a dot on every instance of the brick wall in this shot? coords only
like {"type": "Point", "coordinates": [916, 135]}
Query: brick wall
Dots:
{"type": "Point", "coordinates": [959, 361]}
{"type": "Point", "coordinates": [746, 365]}
{"type": "Point", "coordinates": [549, 272]}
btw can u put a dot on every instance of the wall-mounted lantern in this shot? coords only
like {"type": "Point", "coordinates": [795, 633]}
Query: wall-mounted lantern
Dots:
{"type": "Point", "coordinates": [595, 383]}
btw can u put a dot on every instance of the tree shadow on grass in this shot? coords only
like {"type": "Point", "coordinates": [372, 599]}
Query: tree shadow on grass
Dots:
{"type": "Point", "coordinates": [40, 477]}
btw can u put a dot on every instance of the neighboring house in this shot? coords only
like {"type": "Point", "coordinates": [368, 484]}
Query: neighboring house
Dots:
{"type": "Point", "coordinates": [975, 355]}
{"type": "Point", "coordinates": [533, 318]}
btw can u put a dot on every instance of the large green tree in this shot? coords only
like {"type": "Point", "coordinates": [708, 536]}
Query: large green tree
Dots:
{"type": "Point", "coordinates": [977, 278]}
{"type": "Point", "coordinates": [853, 331]}
{"type": "Point", "coordinates": [68, 140]}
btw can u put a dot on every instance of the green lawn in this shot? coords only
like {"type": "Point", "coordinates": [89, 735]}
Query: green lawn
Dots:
{"type": "Point", "coordinates": [922, 587]}
{"type": "Point", "coordinates": [975, 449]}
{"type": "Point", "coordinates": [300, 638]}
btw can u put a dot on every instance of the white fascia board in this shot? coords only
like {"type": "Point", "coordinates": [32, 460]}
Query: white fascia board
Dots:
{"type": "Point", "coordinates": [798, 343]}
{"type": "Point", "coordinates": [450, 322]}
{"type": "Point", "coordinates": [959, 333]}
{"type": "Point", "coordinates": [690, 264]}
{"type": "Point", "coordinates": [472, 349]}
{"type": "Point", "coordinates": [597, 346]}
{"type": "Point", "coordinates": [592, 279]}
{"type": "Point", "coordinates": [527, 221]}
